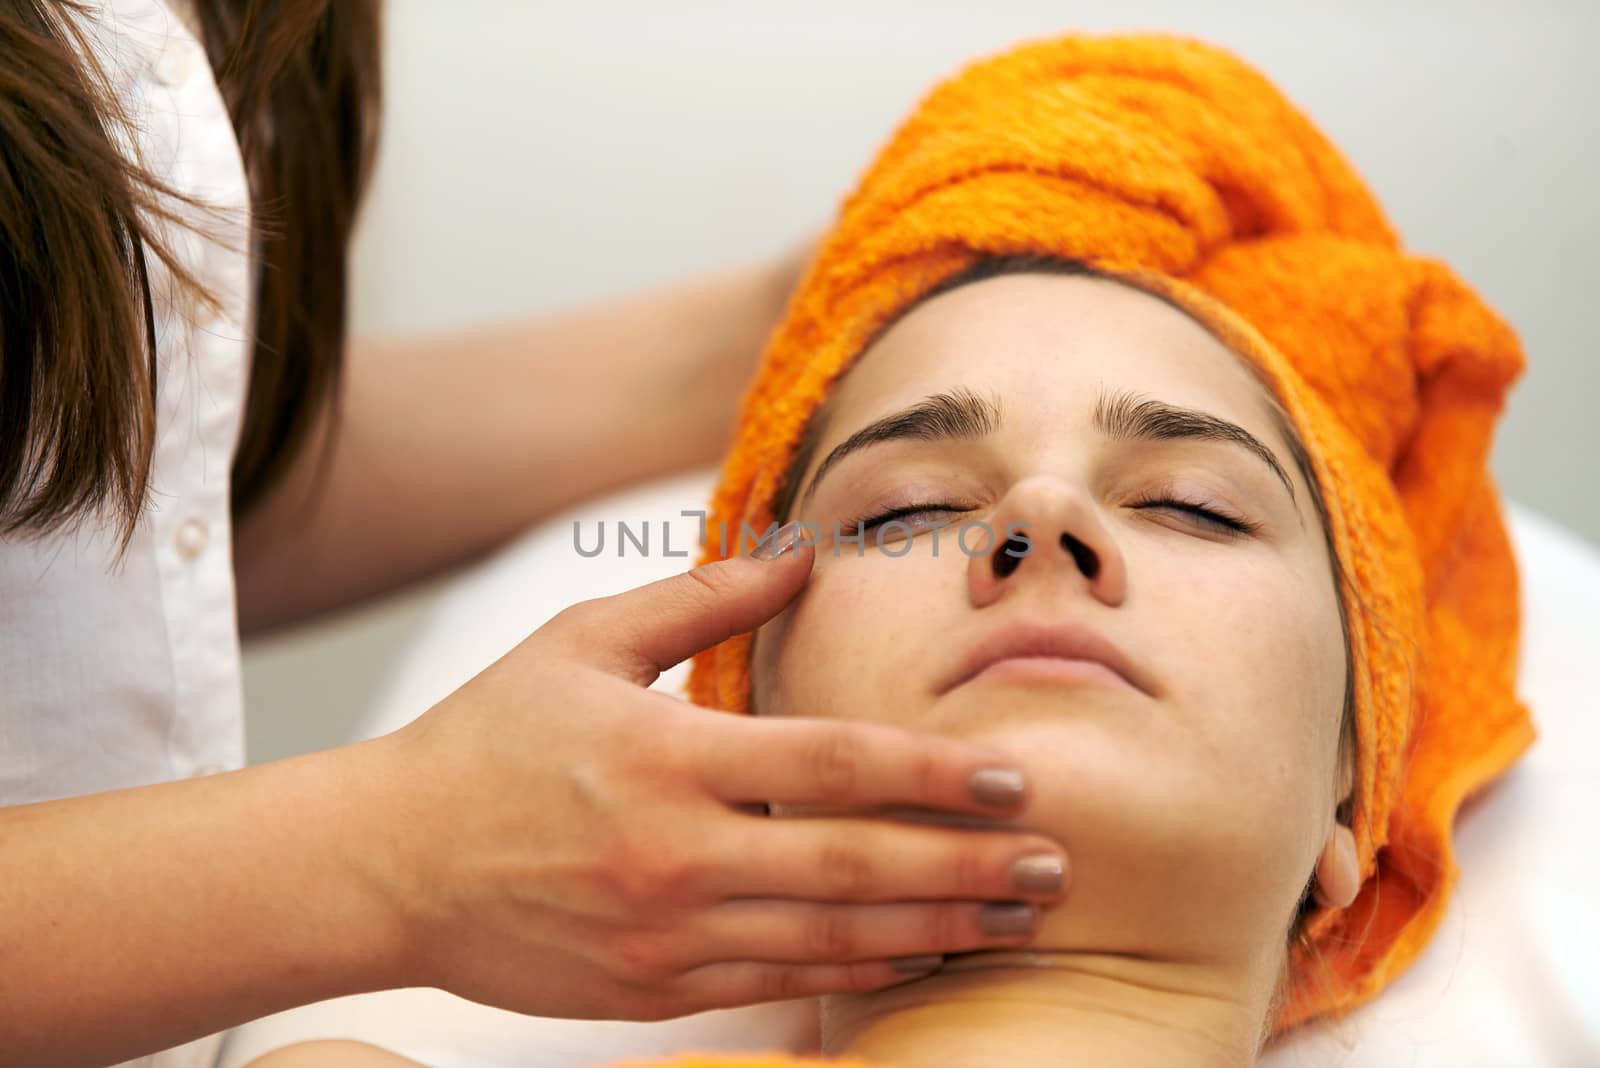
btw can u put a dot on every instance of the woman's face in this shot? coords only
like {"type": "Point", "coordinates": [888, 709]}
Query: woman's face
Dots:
{"type": "Point", "coordinates": [1192, 786]}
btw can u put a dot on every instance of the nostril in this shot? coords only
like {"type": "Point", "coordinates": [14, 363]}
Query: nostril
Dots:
{"type": "Point", "coordinates": [1086, 560]}
{"type": "Point", "coordinates": [1009, 555]}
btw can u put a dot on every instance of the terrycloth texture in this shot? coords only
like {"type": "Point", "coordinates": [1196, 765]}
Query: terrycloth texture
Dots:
{"type": "Point", "coordinates": [1178, 167]}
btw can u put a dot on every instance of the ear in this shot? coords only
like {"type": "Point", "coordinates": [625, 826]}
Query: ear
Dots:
{"type": "Point", "coordinates": [1338, 875]}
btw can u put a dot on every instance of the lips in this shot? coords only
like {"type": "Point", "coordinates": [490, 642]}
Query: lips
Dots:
{"type": "Point", "coordinates": [1065, 641]}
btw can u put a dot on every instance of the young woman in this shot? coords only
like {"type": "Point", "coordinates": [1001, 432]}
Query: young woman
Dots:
{"type": "Point", "coordinates": [1238, 464]}
{"type": "Point", "coordinates": [1119, 433]}
{"type": "Point", "coordinates": [187, 442]}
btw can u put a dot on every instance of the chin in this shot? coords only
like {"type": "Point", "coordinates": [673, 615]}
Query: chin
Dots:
{"type": "Point", "coordinates": [991, 707]}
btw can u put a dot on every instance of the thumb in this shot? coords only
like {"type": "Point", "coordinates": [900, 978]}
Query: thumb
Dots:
{"type": "Point", "coordinates": [642, 632]}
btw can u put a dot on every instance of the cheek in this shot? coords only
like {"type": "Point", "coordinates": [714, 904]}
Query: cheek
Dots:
{"type": "Point", "coordinates": [1257, 665]}
{"type": "Point", "coordinates": [850, 642]}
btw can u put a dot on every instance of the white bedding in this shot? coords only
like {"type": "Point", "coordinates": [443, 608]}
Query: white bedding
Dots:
{"type": "Point", "coordinates": [1512, 978]}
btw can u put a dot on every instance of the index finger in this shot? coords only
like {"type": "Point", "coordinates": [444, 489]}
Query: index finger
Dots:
{"type": "Point", "coordinates": [856, 765]}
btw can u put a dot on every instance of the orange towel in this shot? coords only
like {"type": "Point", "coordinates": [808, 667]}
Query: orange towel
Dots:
{"type": "Point", "coordinates": [1175, 164]}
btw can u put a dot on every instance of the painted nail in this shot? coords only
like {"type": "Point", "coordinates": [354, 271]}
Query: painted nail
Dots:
{"type": "Point", "coordinates": [1000, 787]}
{"type": "Point", "coordinates": [778, 542]}
{"type": "Point", "coordinates": [1040, 874]}
{"type": "Point", "coordinates": [1007, 920]}
{"type": "Point", "coordinates": [917, 965]}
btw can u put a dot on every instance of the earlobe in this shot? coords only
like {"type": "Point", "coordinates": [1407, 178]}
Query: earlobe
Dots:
{"type": "Point", "coordinates": [1338, 876]}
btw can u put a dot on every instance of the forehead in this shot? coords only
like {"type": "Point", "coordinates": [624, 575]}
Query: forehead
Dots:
{"type": "Point", "coordinates": [1044, 345]}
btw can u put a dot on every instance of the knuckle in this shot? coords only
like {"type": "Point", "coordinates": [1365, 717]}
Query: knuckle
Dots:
{"type": "Point", "coordinates": [846, 870]}
{"type": "Point", "coordinates": [705, 592]}
{"type": "Point", "coordinates": [645, 879]}
{"type": "Point", "coordinates": [970, 870]}
{"type": "Point", "coordinates": [829, 935]}
{"type": "Point", "coordinates": [610, 877]}
{"type": "Point", "coordinates": [615, 870]}
{"type": "Point", "coordinates": [642, 752]}
{"type": "Point", "coordinates": [712, 578]}
{"type": "Point", "coordinates": [670, 752]}
{"type": "Point", "coordinates": [638, 960]}
{"type": "Point", "coordinates": [779, 984]}
{"type": "Point", "coordinates": [925, 770]}
{"type": "Point", "coordinates": [948, 926]}
{"type": "Point", "coordinates": [836, 764]}
{"type": "Point", "coordinates": [668, 877]}
{"type": "Point", "coordinates": [578, 619]}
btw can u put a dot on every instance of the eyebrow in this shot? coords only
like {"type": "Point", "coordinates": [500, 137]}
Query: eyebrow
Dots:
{"type": "Point", "coordinates": [1128, 416]}
{"type": "Point", "coordinates": [960, 413]}
{"type": "Point", "coordinates": [1121, 415]}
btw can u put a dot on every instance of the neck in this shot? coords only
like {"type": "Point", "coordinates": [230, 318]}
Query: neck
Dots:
{"type": "Point", "coordinates": [1061, 1008]}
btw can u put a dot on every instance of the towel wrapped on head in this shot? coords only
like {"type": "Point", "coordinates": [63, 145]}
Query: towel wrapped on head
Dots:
{"type": "Point", "coordinates": [1175, 166]}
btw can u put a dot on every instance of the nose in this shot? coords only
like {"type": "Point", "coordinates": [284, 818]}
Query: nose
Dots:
{"type": "Point", "coordinates": [1047, 531]}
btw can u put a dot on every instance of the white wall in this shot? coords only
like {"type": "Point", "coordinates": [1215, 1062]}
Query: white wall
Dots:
{"type": "Point", "coordinates": [538, 153]}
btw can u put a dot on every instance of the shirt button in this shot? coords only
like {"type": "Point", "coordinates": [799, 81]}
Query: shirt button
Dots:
{"type": "Point", "coordinates": [191, 538]}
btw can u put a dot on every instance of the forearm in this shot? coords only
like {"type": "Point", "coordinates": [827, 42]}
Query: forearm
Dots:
{"type": "Point", "coordinates": [135, 920]}
{"type": "Point", "coordinates": [451, 444]}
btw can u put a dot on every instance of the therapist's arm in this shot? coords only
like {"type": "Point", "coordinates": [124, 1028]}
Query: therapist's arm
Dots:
{"type": "Point", "coordinates": [137, 919]}
{"type": "Point", "coordinates": [452, 443]}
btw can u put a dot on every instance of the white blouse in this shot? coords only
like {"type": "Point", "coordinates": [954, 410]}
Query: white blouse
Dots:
{"type": "Point", "coordinates": [117, 673]}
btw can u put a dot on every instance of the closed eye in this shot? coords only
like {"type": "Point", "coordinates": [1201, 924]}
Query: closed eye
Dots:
{"type": "Point", "coordinates": [909, 514]}
{"type": "Point", "coordinates": [1209, 516]}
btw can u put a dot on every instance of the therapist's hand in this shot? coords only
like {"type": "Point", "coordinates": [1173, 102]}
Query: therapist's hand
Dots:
{"type": "Point", "coordinates": [566, 842]}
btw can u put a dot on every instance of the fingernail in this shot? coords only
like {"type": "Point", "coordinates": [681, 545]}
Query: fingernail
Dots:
{"type": "Point", "coordinates": [778, 542]}
{"type": "Point", "coordinates": [1001, 787]}
{"type": "Point", "coordinates": [1039, 874]}
{"type": "Point", "coordinates": [917, 965]}
{"type": "Point", "coordinates": [1013, 918]}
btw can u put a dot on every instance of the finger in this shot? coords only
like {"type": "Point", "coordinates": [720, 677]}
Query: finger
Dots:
{"type": "Point", "coordinates": [642, 632]}
{"type": "Point", "coordinates": [863, 861]}
{"type": "Point", "coordinates": [792, 932]}
{"type": "Point", "coordinates": [853, 765]}
{"type": "Point", "coordinates": [731, 984]}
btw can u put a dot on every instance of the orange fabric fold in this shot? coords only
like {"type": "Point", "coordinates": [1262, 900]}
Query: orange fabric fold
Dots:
{"type": "Point", "coordinates": [1178, 167]}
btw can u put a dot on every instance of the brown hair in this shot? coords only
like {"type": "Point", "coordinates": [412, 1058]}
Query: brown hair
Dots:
{"type": "Point", "coordinates": [78, 221]}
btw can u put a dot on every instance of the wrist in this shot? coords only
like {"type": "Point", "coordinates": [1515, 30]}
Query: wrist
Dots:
{"type": "Point", "coordinates": [371, 864]}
